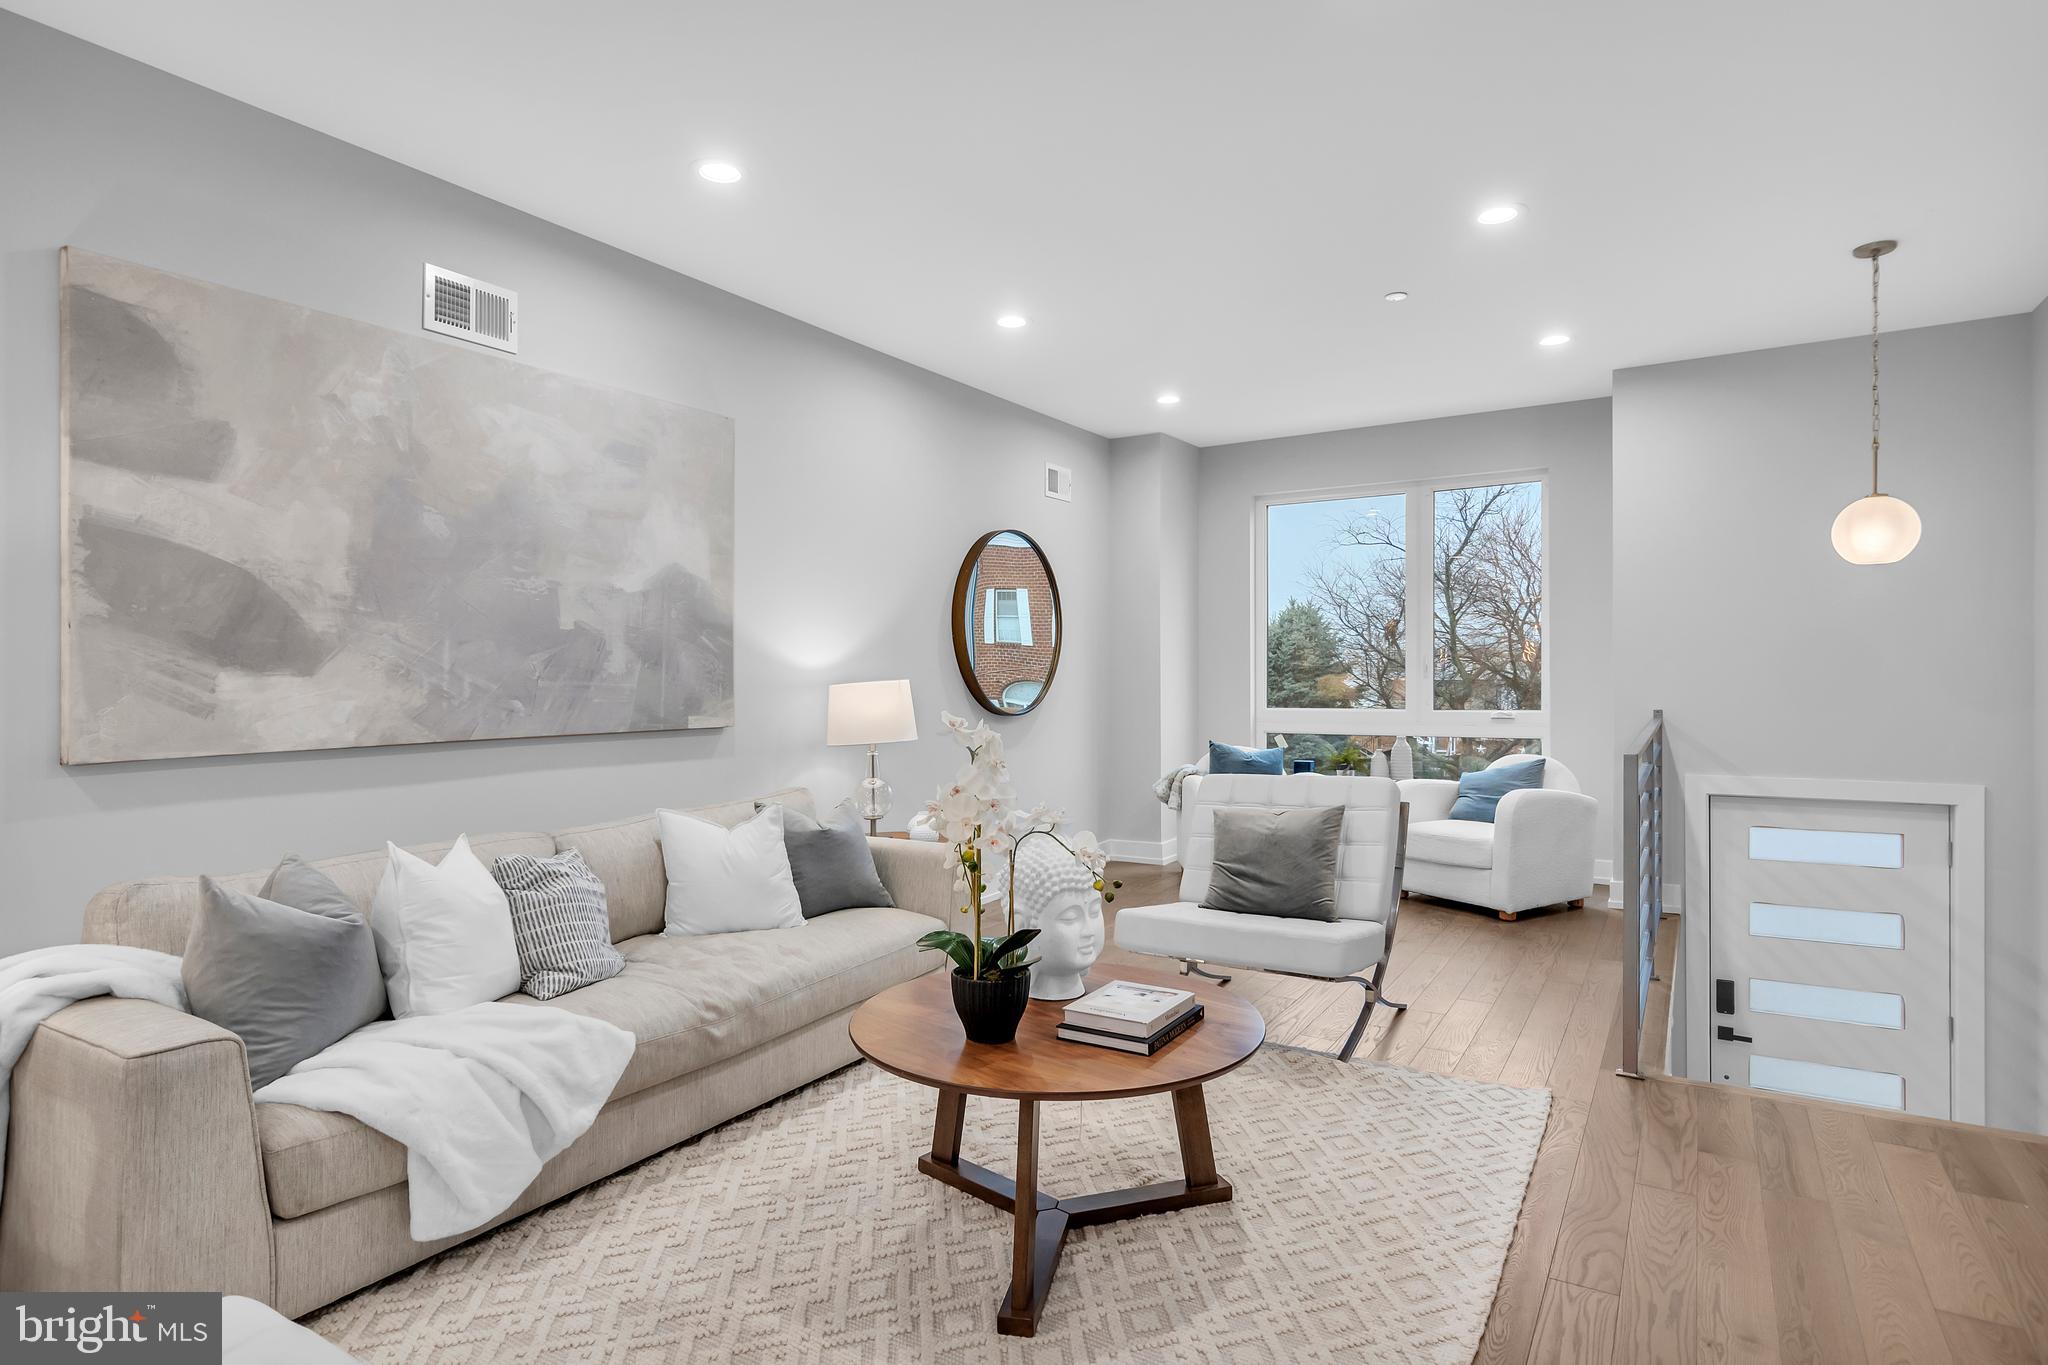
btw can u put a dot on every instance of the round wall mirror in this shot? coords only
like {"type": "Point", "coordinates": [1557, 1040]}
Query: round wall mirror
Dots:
{"type": "Point", "coordinates": [1006, 623]}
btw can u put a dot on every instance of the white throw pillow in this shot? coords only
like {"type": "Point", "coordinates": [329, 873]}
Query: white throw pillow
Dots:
{"type": "Point", "coordinates": [723, 880]}
{"type": "Point", "coordinates": [444, 934]}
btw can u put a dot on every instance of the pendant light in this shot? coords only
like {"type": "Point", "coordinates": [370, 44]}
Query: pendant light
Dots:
{"type": "Point", "coordinates": [1879, 529]}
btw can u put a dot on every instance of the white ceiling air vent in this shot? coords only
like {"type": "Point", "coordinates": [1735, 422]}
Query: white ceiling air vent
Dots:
{"type": "Point", "coordinates": [458, 306]}
{"type": "Point", "coordinates": [1059, 482]}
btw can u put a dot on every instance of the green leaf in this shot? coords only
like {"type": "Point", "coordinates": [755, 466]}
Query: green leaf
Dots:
{"type": "Point", "coordinates": [957, 946]}
{"type": "Point", "coordinates": [1000, 949]}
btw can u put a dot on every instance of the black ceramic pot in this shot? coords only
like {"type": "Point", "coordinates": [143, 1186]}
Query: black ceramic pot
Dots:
{"type": "Point", "coordinates": [991, 1010]}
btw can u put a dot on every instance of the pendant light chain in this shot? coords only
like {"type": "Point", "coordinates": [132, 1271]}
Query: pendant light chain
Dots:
{"type": "Point", "coordinates": [1873, 375]}
{"type": "Point", "coordinates": [1876, 528]}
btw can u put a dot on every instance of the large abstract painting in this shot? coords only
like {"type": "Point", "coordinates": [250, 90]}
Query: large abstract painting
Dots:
{"type": "Point", "coordinates": [289, 530]}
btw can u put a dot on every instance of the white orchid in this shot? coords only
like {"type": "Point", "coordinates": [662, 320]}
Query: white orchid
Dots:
{"type": "Point", "coordinates": [1085, 847]}
{"type": "Point", "coordinates": [978, 816]}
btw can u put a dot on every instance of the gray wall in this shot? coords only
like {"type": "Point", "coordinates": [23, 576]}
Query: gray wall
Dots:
{"type": "Point", "coordinates": [1773, 657]}
{"type": "Point", "coordinates": [2037, 899]}
{"type": "Point", "coordinates": [861, 481]}
{"type": "Point", "coordinates": [1151, 723]}
{"type": "Point", "coordinates": [1569, 441]}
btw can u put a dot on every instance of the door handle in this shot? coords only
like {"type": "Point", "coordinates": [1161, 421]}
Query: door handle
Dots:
{"type": "Point", "coordinates": [1729, 1035]}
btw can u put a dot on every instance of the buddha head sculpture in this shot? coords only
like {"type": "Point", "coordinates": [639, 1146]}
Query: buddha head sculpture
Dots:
{"type": "Point", "coordinates": [1056, 895]}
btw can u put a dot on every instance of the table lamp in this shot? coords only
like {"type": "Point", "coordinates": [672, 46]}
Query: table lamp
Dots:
{"type": "Point", "coordinates": [871, 713]}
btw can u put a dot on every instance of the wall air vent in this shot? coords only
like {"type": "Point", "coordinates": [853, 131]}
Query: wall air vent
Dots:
{"type": "Point", "coordinates": [1059, 482]}
{"type": "Point", "coordinates": [458, 306]}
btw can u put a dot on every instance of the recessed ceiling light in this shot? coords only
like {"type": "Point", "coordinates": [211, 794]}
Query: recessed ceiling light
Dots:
{"type": "Point", "coordinates": [719, 172]}
{"type": "Point", "coordinates": [1011, 320]}
{"type": "Point", "coordinates": [1554, 339]}
{"type": "Point", "coordinates": [1397, 296]}
{"type": "Point", "coordinates": [1493, 215]}
{"type": "Point", "coordinates": [1167, 400]}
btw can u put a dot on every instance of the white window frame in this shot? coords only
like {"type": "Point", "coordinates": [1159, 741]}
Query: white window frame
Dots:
{"type": "Point", "coordinates": [989, 617]}
{"type": "Point", "coordinates": [1420, 718]}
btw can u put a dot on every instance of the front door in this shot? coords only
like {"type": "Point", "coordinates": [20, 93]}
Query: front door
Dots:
{"type": "Point", "coordinates": [1828, 942]}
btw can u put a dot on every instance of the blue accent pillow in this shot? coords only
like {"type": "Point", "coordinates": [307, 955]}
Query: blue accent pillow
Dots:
{"type": "Point", "coordinates": [1479, 793]}
{"type": "Point", "coordinates": [1228, 758]}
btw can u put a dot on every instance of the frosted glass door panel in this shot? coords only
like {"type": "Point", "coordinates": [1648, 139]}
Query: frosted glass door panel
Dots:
{"type": "Point", "coordinates": [1834, 1004]}
{"type": "Point", "coordinates": [1850, 1085]}
{"type": "Point", "coordinates": [1835, 847]}
{"type": "Point", "coordinates": [1813, 924]}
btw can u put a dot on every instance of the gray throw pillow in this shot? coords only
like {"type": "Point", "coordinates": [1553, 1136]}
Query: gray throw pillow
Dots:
{"type": "Point", "coordinates": [831, 862]}
{"type": "Point", "coordinates": [560, 923]}
{"type": "Point", "coordinates": [1276, 862]}
{"type": "Point", "coordinates": [291, 970]}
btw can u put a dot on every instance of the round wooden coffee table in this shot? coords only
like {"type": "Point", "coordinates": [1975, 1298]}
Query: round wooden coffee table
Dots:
{"type": "Point", "coordinates": [911, 1030]}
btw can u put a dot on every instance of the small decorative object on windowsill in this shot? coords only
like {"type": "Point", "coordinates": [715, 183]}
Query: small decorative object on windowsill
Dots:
{"type": "Point", "coordinates": [978, 817]}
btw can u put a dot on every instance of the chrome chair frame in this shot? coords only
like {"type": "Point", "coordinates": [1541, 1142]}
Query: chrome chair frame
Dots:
{"type": "Point", "coordinates": [1191, 966]}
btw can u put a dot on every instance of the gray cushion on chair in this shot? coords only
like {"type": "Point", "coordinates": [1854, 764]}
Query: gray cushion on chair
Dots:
{"type": "Point", "coordinates": [1276, 862]}
{"type": "Point", "coordinates": [290, 971]}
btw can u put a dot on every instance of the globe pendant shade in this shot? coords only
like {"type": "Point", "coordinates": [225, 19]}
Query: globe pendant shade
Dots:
{"type": "Point", "coordinates": [1879, 529]}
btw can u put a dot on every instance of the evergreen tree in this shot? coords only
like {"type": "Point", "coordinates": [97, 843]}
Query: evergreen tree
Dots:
{"type": "Point", "coordinates": [1304, 663]}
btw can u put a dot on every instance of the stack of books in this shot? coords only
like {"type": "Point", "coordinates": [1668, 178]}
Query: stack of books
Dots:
{"type": "Point", "coordinates": [1130, 1017]}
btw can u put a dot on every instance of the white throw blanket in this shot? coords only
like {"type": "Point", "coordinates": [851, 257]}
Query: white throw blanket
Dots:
{"type": "Point", "coordinates": [36, 984]}
{"type": "Point", "coordinates": [1167, 788]}
{"type": "Point", "coordinates": [480, 1097]}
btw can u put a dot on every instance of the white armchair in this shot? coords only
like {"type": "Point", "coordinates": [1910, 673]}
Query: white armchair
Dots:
{"type": "Point", "coordinates": [1538, 850]}
{"type": "Point", "coordinates": [1353, 947]}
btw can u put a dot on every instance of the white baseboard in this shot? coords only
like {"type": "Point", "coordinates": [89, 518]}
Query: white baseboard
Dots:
{"type": "Point", "coordinates": [1674, 892]}
{"type": "Point", "coordinates": [1156, 852]}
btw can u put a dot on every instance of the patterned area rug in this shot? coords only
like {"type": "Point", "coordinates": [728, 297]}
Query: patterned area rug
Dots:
{"type": "Point", "coordinates": [1373, 1210]}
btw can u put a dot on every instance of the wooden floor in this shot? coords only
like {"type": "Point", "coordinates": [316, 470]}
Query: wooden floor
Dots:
{"type": "Point", "coordinates": [1673, 1221]}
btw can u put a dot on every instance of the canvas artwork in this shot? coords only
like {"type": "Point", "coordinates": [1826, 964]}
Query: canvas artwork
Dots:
{"type": "Point", "coordinates": [289, 530]}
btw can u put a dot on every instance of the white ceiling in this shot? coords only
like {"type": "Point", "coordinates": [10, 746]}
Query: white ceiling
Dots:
{"type": "Point", "coordinates": [1212, 197]}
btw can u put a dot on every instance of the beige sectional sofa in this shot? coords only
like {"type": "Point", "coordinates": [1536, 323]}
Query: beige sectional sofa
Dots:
{"type": "Point", "coordinates": [136, 1159]}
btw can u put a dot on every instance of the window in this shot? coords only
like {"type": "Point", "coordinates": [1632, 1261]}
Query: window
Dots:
{"type": "Point", "coordinates": [1343, 579]}
{"type": "Point", "coordinates": [1007, 620]}
{"type": "Point", "coordinates": [1486, 581]}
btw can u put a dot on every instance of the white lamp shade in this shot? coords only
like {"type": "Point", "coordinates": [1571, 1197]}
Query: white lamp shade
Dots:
{"type": "Point", "coordinates": [870, 713]}
{"type": "Point", "coordinates": [1879, 529]}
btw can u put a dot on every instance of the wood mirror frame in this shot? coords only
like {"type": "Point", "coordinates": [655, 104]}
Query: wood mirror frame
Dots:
{"type": "Point", "coordinates": [963, 616]}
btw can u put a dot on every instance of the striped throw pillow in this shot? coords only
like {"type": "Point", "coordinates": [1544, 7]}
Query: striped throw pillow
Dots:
{"type": "Point", "coordinates": [559, 922]}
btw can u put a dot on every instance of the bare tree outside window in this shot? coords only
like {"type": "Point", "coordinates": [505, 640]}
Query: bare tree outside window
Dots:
{"type": "Point", "coordinates": [1487, 583]}
{"type": "Point", "coordinates": [1337, 592]}
{"type": "Point", "coordinates": [1337, 588]}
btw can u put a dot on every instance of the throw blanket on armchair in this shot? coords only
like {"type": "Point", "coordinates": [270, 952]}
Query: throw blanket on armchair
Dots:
{"type": "Point", "coordinates": [479, 1097]}
{"type": "Point", "coordinates": [1167, 788]}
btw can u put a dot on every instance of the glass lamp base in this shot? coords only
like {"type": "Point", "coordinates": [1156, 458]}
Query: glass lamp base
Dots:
{"type": "Point", "coordinates": [871, 800]}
